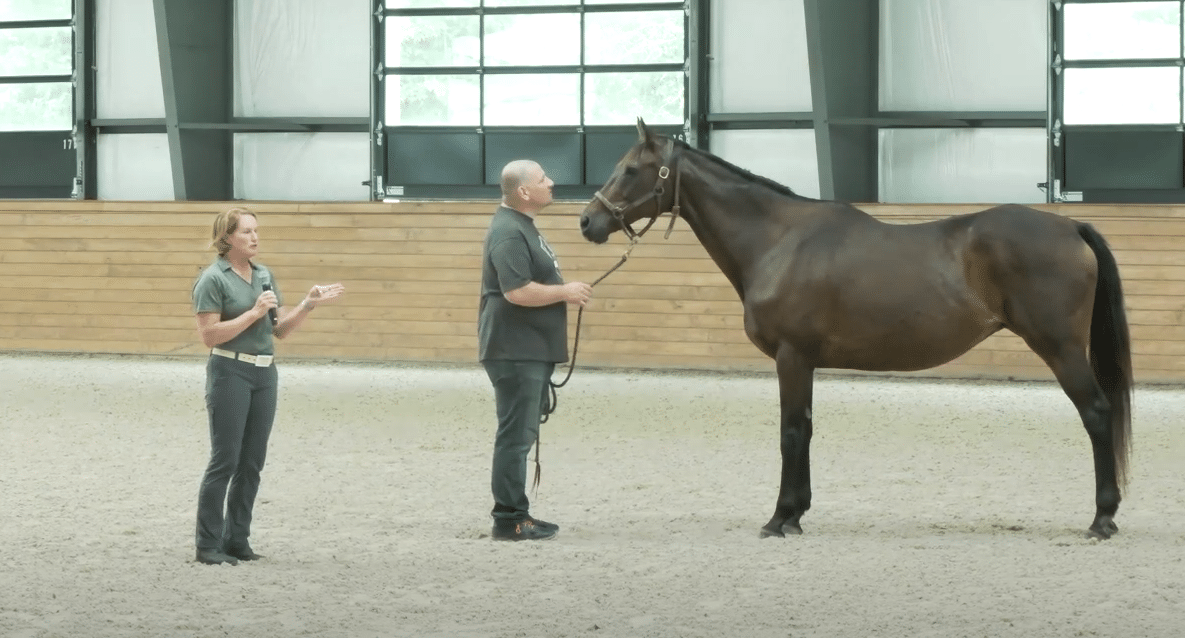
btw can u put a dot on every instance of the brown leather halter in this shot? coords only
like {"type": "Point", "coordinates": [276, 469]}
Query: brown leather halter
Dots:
{"type": "Point", "coordinates": [618, 212]}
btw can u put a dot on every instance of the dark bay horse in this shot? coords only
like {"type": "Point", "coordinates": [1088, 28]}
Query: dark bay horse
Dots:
{"type": "Point", "coordinates": [825, 285]}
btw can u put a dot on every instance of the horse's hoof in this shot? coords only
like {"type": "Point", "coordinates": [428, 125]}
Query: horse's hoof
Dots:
{"type": "Point", "coordinates": [792, 529]}
{"type": "Point", "coordinates": [1103, 528]}
{"type": "Point", "coordinates": [1098, 533]}
{"type": "Point", "coordinates": [770, 533]}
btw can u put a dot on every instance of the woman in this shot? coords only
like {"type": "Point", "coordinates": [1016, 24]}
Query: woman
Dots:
{"type": "Point", "coordinates": [235, 301]}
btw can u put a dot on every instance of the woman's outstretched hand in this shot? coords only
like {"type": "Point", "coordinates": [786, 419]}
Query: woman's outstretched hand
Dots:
{"type": "Point", "coordinates": [319, 294]}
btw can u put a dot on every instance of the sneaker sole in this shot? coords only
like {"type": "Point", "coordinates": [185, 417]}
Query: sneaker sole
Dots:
{"type": "Point", "coordinates": [513, 539]}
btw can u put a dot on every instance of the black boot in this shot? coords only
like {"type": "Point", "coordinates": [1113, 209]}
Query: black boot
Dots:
{"type": "Point", "coordinates": [242, 552]}
{"type": "Point", "coordinates": [524, 530]}
{"type": "Point", "coordinates": [214, 557]}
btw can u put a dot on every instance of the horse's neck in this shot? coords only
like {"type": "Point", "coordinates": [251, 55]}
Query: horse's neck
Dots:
{"type": "Point", "coordinates": [734, 221]}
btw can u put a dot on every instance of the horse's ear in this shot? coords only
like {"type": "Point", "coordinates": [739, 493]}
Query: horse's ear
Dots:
{"type": "Point", "coordinates": [644, 136]}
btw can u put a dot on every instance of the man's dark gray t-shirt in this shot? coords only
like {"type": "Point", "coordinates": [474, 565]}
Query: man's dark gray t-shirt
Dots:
{"type": "Point", "coordinates": [515, 254]}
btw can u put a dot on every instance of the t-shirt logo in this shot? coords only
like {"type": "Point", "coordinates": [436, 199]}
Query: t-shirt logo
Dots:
{"type": "Point", "coordinates": [550, 253]}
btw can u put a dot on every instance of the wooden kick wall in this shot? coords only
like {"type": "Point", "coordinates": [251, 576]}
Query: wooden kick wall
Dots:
{"type": "Point", "coordinates": [115, 277]}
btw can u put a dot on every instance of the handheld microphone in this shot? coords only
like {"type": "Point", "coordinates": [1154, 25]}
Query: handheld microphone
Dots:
{"type": "Point", "coordinates": [271, 312]}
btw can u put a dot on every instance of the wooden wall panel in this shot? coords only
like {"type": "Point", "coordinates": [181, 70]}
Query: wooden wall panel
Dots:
{"type": "Point", "coordinates": [114, 277]}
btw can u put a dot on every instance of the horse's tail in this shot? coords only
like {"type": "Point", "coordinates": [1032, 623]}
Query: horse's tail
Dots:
{"type": "Point", "coordinates": [1110, 347]}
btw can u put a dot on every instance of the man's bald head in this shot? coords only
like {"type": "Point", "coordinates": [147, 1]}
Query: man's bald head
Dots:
{"type": "Point", "coordinates": [516, 174]}
{"type": "Point", "coordinates": [526, 187]}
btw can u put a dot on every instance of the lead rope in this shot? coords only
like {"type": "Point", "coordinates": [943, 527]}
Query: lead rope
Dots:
{"type": "Point", "coordinates": [550, 399]}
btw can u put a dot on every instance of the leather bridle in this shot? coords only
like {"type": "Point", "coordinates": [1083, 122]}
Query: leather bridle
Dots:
{"type": "Point", "coordinates": [618, 212]}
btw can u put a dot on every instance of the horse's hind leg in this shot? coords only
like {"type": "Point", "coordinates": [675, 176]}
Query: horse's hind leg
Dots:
{"type": "Point", "coordinates": [1052, 307]}
{"type": "Point", "coordinates": [1073, 372]}
{"type": "Point", "coordinates": [795, 379]}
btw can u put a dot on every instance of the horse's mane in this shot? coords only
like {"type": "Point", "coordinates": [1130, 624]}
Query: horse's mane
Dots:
{"type": "Point", "coordinates": [742, 173]}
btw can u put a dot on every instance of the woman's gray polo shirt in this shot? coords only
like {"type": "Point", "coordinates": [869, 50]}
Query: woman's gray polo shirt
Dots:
{"type": "Point", "coordinates": [219, 289]}
{"type": "Point", "coordinates": [515, 254]}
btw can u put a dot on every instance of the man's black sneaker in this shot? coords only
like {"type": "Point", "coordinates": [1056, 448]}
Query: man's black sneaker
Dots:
{"type": "Point", "coordinates": [544, 525]}
{"type": "Point", "coordinates": [524, 530]}
{"type": "Point", "coordinates": [243, 552]}
{"type": "Point", "coordinates": [214, 557]}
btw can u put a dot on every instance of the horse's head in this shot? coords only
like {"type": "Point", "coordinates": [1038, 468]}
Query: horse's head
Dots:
{"type": "Point", "coordinates": [641, 186]}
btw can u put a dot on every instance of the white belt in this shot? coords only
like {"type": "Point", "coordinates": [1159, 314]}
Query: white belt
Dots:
{"type": "Point", "coordinates": [259, 360]}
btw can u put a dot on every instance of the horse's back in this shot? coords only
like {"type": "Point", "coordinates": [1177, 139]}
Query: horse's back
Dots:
{"type": "Point", "coordinates": [842, 238]}
{"type": "Point", "coordinates": [851, 285]}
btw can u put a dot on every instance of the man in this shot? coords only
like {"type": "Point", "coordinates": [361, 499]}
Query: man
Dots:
{"type": "Point", "coordinates": [522, 330]}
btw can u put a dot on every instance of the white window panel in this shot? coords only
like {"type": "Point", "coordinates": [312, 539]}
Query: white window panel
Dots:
{"type": "Point", "coordinates": [1145, 95]}
{"type": "Point", "coordinates": [787, 156]}
{"type": "Point", "coordinates": [634, 37]}
{"type": "Point", "coordinates": [429, 4]}
{"type": "Point", "coordinates": [759, 57]}
{"type": "Point", "coordinates": [532, 40]}
{"type": "Point", "coordinates": [519, 3]}
{"type": "Point", "coordinates": [302, 58]}
{"type": "Point", "coordinates": [302, 166]}
{"type": "Point", "coordinates": [36, 51]}
{"type": "Point", "coordinates": [955, 55]}
{"type": "Point", "coordinates": [1122, 30]}
{"type": "Point", "coordinates": [134, 167]}
{"type": "Point", "coordinates": [533, 99]}
{"type": "Point", "coordinates": [128, 81]}
{"type": "Point", "coordinates": [432, 40]}
{"type": "Point", "coordinates": [36, 106]}
{"type": "Point", "coordinates": [988, 165]}
{"type": "Point", "coordinates": [620, 98]}
{"type": "Point", "coordinates": [35, 10]}
{"type": "Point", "coordinates": [427, 100]}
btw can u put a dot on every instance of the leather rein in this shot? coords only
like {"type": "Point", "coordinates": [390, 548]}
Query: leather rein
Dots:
{"type": "Point", "coordinates": [618, 212]}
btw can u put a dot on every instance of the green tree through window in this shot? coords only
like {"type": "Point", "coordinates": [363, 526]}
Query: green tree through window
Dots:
{"type": "Point", "coordinates": [423, 48]}
{"type": "Point", "coordinates": [468, 84]}
{"type": "Point", "coordinates": [35, 67]}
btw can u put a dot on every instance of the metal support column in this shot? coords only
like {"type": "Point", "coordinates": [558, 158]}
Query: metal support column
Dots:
{"type": "Point", "coordinates": [195, 41]}
{"type": "Point", "coordinates": [698, 55]}
{"type": "Point", "coordinates": [85, 139]}
{"type": "Point", "coordinates": [843, 42]}
{"type": "Point", "coordinates": [378, 150]}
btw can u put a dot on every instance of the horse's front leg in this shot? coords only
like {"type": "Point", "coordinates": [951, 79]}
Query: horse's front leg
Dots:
{"type": "Point", "coordinates": [795, 379]}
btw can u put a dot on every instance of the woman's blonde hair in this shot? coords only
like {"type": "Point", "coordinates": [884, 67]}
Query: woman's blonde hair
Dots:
{"type": "Point", "coordinates": [225, 223]}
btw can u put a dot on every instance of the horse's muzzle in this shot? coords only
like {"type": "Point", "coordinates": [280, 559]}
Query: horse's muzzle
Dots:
{"type": "Point", "coordinates": [594, 223]}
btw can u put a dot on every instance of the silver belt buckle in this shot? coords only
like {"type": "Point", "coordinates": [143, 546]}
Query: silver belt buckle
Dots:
{"type": "Point", "coordinates": [263, 360]}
